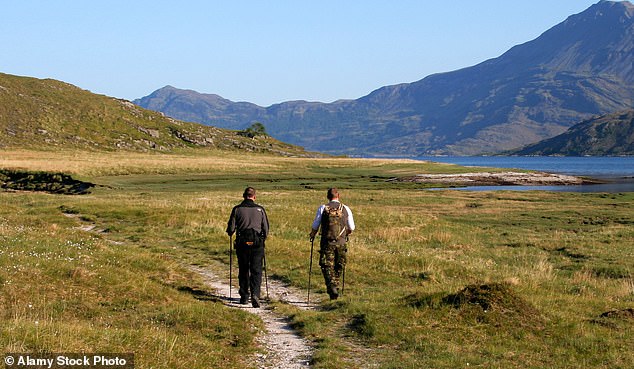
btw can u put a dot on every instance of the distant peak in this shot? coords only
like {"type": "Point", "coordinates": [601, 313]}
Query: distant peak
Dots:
{"type": "Point", "coordinates": [609, 12]}
{"type": "Point", "coordinates": [609, 4]}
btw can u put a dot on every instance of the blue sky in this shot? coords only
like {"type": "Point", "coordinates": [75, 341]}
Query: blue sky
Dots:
{"type": "Point", "coordinates": [263, 52]}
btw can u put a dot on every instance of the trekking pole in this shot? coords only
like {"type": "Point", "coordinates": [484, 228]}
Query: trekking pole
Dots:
{"type": "Point", "coordinates": [343, 271]}
{"type": "Point", "coordinates": [230, 264]}
{"type": "Point", "coordinates": [266, 278]}
{"type": "Point", "coordinates": [310, 269]}
{"type": "Point", "coordinates": [343, 279]}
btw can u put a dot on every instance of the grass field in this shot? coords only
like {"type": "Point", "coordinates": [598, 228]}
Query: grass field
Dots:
{"type": "Point", "coordinates": [435, 279]}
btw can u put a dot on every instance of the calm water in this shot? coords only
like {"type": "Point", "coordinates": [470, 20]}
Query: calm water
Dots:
{"type": "Point", "coordinates": [619, 171]}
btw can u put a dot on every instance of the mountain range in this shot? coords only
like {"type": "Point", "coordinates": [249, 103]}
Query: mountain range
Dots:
{"type": "Point", "coordinates": [576, 70]}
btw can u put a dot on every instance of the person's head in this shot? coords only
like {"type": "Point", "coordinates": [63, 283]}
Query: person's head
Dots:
{"type": "Point", "coordinates": [333, 194]}
{"type": "Point", "coordinates": [249, 193]}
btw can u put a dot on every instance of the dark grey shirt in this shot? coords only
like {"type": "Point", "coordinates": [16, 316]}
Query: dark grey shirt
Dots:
{"type": "Point", "coordinates": [248, 215]}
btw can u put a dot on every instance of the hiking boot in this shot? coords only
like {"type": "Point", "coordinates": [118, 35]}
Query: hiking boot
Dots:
{"type": "Point", "coordinates": [333, 293]}
{"type": "Point", "coordinates": [243, 300]}
{"type": "Point", "coordinates": [255, 302]}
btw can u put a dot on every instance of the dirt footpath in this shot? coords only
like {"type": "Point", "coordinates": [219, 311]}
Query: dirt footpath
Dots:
{"type": "Point", "coordinates": [284, 348]}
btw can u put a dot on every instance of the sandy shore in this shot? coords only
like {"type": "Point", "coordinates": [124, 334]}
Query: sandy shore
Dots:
{"type": "Point", "coordinates": [499, 179]}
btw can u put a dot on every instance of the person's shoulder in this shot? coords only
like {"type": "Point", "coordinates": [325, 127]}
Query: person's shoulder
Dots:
{"type": "Point", "coordinates": [256, 207]}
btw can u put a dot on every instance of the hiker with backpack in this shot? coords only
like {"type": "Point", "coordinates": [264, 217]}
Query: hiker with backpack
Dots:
{"type": "Point", "coordinates": [336, 222]}
{"type": "Point", "coordinates": [251, 224]}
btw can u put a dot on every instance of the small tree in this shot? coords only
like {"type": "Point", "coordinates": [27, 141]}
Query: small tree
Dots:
{"type": "Point", "coordinates": [256, 129]}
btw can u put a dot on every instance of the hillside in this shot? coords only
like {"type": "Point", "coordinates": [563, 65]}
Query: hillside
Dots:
{"type": "Point", "coordinates": [611, 134]}
{"type": "Point", "coordinates": [580, 68]}
{"type": "Point", "coordinates": [36, 113]}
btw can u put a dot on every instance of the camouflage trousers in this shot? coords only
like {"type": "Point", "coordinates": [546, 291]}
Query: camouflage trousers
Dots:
{"type": "Point", "coordinates": [332, 260]}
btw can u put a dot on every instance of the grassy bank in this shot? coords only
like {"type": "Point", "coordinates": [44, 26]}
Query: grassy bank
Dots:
{"type": "Point", "coordinates": [435, 279]}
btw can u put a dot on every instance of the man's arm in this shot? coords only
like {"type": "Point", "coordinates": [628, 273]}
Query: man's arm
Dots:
{"type": "Point", "coordinates": [265, 224]}
{"type": "Point", "coordinates": [351, 225]}
{"type": "Point", "coordinates": [231, 224]}
{"type": "Point", "coordinates": [316, 222]}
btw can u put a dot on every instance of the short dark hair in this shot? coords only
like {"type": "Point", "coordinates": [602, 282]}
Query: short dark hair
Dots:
{"type": "Point", "coordinates": [248, 192]}
{"type": "Point", "coordinates": [332, 193]}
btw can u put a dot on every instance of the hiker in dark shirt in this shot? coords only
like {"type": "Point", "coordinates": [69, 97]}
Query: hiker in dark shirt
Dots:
{"type": "Point", "coordinates": [251, 224]}
{"type": "Point", "coordinates": [336, 223]}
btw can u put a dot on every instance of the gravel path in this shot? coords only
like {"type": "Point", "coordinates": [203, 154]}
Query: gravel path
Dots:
{"type": "Point", "coordinates": [284, 348]}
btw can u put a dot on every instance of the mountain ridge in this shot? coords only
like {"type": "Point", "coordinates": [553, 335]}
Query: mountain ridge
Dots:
{"type": "Point", "coordinates": [606, 135]}
{"type": "Point", "coordinates": [580, 68]}
{"type": "Point", "coordinates": [46, 113]}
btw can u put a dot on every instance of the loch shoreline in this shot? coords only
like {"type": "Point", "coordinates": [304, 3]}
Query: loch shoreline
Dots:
{"type": "Point", "coordinates": [508, 178]}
